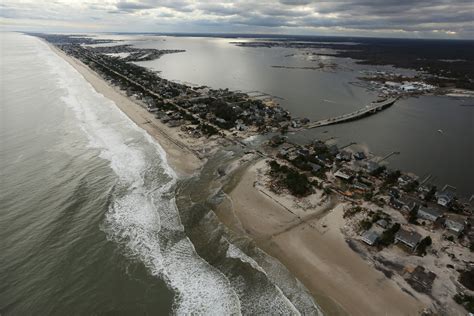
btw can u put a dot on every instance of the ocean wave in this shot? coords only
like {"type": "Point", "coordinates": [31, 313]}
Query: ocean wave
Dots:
{"type": "Point", "coordinates": [143, 217]}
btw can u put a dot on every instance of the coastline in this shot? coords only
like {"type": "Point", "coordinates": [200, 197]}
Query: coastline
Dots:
{"type": "Point", "coordinates": [182, 158]}
{"type": "Point", "coordinates": [314, 250]}
{"type": "Point", "coordinates": [314, 256]}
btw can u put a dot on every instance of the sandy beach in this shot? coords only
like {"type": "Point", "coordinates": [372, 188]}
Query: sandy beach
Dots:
{"type": "Point", "coordinates": [181, 156]}
{"type": "Point", "coordinates": [313, 248]}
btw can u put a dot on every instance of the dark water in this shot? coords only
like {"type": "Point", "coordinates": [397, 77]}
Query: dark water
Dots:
{"type": "Point", "coordinates": [94, 221]}
{"type": "Point", "coordinates": [409, 127]}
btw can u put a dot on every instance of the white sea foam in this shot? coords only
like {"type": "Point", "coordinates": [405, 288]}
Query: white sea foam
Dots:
{"type": "Point", "coordinates": [143, 216]}
{"type": "Point", "coordinates": [264, 297]}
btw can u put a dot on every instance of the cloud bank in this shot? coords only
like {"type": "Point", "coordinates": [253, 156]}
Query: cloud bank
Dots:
{"type": "Point", "coordinates": [395, 18]}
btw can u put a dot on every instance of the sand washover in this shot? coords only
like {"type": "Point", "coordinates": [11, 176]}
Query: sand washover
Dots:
{"type": "Point", "coordinates": [316, 252]}
{"type": "Point", "coordinates": [341, 281]}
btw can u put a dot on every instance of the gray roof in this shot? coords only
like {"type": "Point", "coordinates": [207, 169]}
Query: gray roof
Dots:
{"type": "Point", "coordinates": [429, 213]}
{"type": "Point", "coordinates": [370, 237]}
{"type": "Point", "coordinates": [409, 238]}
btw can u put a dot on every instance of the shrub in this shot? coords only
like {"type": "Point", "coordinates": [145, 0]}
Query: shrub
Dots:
{"type": "Point", "coordinates": [424, 243]}
{"type": "Point", "coordinates": [388, 236]}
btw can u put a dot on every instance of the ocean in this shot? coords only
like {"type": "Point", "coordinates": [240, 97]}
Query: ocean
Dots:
{"type": "Point", "coordinates": [93, 220]}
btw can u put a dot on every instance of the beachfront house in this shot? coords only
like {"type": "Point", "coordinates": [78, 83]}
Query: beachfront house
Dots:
{"type": "Point", "coordinates": [370, 237]}
{"type": "Point", "coordinates": [429, 214]}
{"type": "Point", "coordinates": [411, 239]}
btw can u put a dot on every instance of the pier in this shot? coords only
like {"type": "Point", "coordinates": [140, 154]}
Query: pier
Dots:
{"type": "Point", "coordinates": [368, 110]}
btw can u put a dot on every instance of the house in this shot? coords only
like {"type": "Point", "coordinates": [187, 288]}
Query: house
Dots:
{"type": "Point", "coordinates": [371, 166]}
{"type": "Point", "coordinates": [359, 155]}
{"type": "Point", "coordinates": [409, 204]}
{"type": "Point", "coordinates": [396, 203]}
{"type": "Point", "coordinates": [454, 225]}
{"type": "Point", "coordinates": [314, 167]}
{"type": "Point", "coordinates": [344, 174]}
{"type": "Point", "coordinates": [361, 186]}
{"type": "Point", "coordinates": [429, 214]}
{"type": "Point", "coordinates": [446, 196]}
{"type": "Point", "coordinates": [411, 239]}
{"type": "Point", "coordinates": [421, 280]}
{"type": "Point", "coordinates": [405, 180]}
{"type": "Point", "coordinates": [303, 152]}
{"type": "Point", "coordinates": [344, 156]}
{"type": "Point", "coordinates": [370, 237]}
{"type": "Point", "coordinates": [467, 204]}
{"type": "Point", "coordinates": [382, 223]}
{"type": "Point", "coordinates": [284, 150]}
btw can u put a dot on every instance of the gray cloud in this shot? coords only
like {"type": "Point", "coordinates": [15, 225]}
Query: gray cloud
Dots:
{"type": "Point", "coordinates": [354, 17]}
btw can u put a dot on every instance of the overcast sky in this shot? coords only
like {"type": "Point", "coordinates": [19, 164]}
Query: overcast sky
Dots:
{"type": "Point", "coordinates": [395, 18]}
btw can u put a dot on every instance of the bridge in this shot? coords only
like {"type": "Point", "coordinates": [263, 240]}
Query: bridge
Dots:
{"type": "Point", "coordinates": [368, 110]}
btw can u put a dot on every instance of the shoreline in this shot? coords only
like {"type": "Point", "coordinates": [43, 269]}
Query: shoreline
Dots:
{"type": "Point", "coordinates": [313, 248]}
{"type": "Point", "coordinates": [339, 279]}
{"type": "Point", "coordinates": [183, 160]}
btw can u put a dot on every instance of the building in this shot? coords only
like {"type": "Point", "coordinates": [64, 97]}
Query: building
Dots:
{"type": "Point", "coordinates": [405, 180]}
{"type": "Point", "coordinates": [429, 214]}
{"type": "Point", "coordinates": [359, 155]}
{"type": "Point", "coordinates": [445, 197]}
{"type": "Point", "coordinates": [421, 280]}
{"type": "Point", "coordinates": [344, 156]}
{"type": "Point", "coordinates": [361, 186]}
{"type": "Point", "coordinates": [370, 237]}
{"type": "Point", "coordinates": [371, 166]}
{"type": "Point", "coordinates": [409, 204]}
{"type": "Point", "coordinates": [454, 225]}
{"type": "Point", "coordinates": [344, 174]}
{"type": "Point", "coordinates": [411, 239]}
{"type": "Point", "coordinates": [382, 223]}
{"type": "Point", "coordinates": [314, 167]}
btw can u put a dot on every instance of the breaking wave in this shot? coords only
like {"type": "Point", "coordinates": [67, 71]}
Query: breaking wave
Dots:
{"type": "Point", "coordinates": [142, 216]}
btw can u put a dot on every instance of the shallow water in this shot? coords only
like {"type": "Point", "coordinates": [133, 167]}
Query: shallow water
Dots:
{"type": "Point", "coordinates": [90, 222]}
